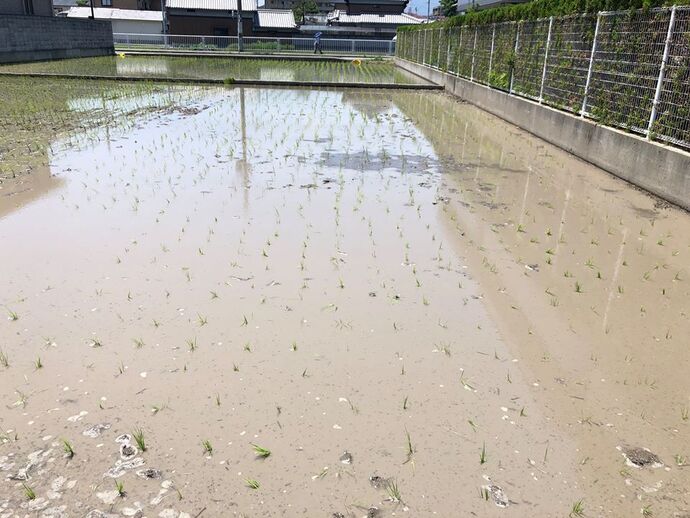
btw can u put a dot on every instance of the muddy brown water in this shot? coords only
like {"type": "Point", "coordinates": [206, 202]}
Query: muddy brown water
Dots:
{"type": "Point", "coordinates": [386, 285]}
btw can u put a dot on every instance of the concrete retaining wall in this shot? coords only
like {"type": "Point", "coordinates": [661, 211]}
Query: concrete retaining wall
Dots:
{"type": "Point", "coordinates": [34, 38]}
{"type": "Point", "coordinates": [659, 169]}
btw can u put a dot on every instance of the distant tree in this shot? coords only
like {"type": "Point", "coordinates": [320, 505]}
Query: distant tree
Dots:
{"type": "Point", "coordinates": [82, 3]}
{"type": "Point", "coordinates": [448, 7]}
{"type": "Point", "coordinates": [303, 8]}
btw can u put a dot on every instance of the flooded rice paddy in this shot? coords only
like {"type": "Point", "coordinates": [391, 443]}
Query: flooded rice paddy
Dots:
{"type": "Point", "coordinates": [283, 302]}
{"type": "Point", "coordinates": [346, 71]}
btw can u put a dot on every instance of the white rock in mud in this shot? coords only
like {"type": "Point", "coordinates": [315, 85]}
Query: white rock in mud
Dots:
{"type": "Point", "coordinates": [96, 430]}
{"type": "Point", "coordinates": [131, 511]}
{"type": "Point", "coordinates": [78, 417]}
{"type": "Point", "coordinates": [55, 512]}
{"type": "Point", "coordinates": [121, 468]}
{"type": "Point", "coordinates": [107, 497]}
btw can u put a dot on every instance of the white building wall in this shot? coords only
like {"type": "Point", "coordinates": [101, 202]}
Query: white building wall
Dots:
{"type": "Point", "coordinates": [137, 26]}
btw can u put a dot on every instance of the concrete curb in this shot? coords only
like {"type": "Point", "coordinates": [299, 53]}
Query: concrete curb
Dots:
{"type": "Point", "coordinates": [655, 167]}
{"type": "Point", "coordinates": [236, 55]}
{"type": "Point", "coordinates": [235, 82]}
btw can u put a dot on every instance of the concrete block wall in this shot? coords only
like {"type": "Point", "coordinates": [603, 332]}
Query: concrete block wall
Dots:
{"type": "Point", "coordinates": [657, 168]}
{"type": "Point", "coordinates": [34, 38]}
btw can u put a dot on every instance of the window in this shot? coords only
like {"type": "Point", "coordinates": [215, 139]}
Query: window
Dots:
{"type": "Point", "coordinates": [106, 3]}
{"type": "Point", "coordinates": [28, 7]}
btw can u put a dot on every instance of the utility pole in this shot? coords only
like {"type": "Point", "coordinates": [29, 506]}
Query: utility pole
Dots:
{"type": "Point", "coordinates": [240, 43]}
{"type": "Point", "coordinates": [92, 15]}
{"type": "Point", "coordinates": [164, 19]}
{"type": "Point", "coordinates": [428, 10]}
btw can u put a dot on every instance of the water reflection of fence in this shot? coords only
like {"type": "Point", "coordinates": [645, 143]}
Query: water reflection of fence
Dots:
{"type": "Point", "coordinates": [252, 44]}
{"type": "Point", "coordinates": [628, 69]}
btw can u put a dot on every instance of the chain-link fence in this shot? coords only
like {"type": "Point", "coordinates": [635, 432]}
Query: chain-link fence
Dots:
{"type": "Point", "coordinates": [627, 69]}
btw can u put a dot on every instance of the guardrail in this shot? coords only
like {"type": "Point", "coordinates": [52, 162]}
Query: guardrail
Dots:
{"type": "Point", "coordinates": [251, 44]}
{"type": "Point", "coordinates": [629, 69]}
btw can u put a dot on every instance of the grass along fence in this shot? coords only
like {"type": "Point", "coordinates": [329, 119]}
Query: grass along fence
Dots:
{"type": "Point", "coordinates": [628, 69]}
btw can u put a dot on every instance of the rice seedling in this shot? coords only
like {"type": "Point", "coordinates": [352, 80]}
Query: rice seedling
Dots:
{"type": "Point", "coordinates": [191, 344]}
{"type": "Point", "coordinates": [245, 322]}
{"type": "Point", "coordinates": [4, 360]}
{"type": "Point", "coordinates": [405, 403]}
{"type": "Point", "coordinates": [158, 408]}
{"type": "Point", "coordinates": [208, 447]}
{"type": "Point", "coordinates": [202, 320]}
{"type": "Point", "coordinates": [578, 287]}
{"type": "Point", "coordinates": [684, 413]}
{"type": "Point", "coordinates": [38, 364]}
{"type": "Point", "coordinates": [251, 483]}
{"type": "Point", "coordinates": [29, 493]}
{"type": "Point", "coordinates": [12, 315]}
{"type": "Point", "coordinates": [647, 511]}
{"type": "Point", "coordinates": [67, 448]}
{"type": "Point", "coordinates": [409, 449]}
{"type": "Point", "coordinates": [95, 342]}
{"type": "Point", "coordinates": [393, 491]}
{"type": "Point", "coordinates": [138, 343]}
{"type": "Point", "coordinates": [261, 451]}
{"type": "Point", "coordinates": [577, 509]}
{"type": "Point", "coordinates": [139, 438]}
{"type": "Point", "coordinates": [482, 455]}
{"type": "Point", "coordinates": [217, 399]}
{"type": "Point", "coordinates": [120, 488]}
{"type": "Point", "coordinates": [293, 346]}
{"type": "Point", "coordinates": [248, 347]}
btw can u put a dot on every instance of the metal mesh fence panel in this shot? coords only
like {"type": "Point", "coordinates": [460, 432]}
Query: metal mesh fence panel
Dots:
{"type": "Point", "coordinates": [482, 53]}
{"type": "Point", "coordinates": [529, 58]}
{"type": "Point", "coordinates": [503, 57]}
{"type": "Point", "coordinates": [443, 49]}
{"type": "Point", "coordinates": [465, 53]}
{"type": "Point", "coordinates": [570, 51]}
{"type": "Point", "coordinates": [630, 47]}
{"type": "Point", "coordinates": [454, 50]}
{"type": "Point", "coordinates": [629, 69]}
{"type": "Point", "coordinates": [673, 112]}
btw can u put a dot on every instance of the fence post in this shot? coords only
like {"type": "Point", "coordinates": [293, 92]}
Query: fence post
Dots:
{"type": "Point", "coordinates": [450, 37]}
{"type": "Point", "coordinates": [515, 51]}
{"type": "Point", "coordinates": [591, 67]}
{"type": "Point", "coordinates": [546, 60]}
{"type": "Point", "coordinates": [474, 49]}
{"type": "Point", "coordinates": [438, 52]}
{"type": "Point", "coordinates": [390, 47]}
{"type": "Point", "coordinates": [424, 47]}
{"type": "Point", "coordinates": [660, 82]}
{"type": "Point", "coordinates": [491, 56]}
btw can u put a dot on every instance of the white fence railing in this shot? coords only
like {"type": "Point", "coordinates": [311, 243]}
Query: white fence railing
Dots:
{"type": "Point", "coordinates": [252, 44]}
{"type": "Point", "coordinates": [629, 69]}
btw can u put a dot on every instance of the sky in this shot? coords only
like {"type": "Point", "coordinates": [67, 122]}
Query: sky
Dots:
{"type": "Point", "coordinates": [420, 6]}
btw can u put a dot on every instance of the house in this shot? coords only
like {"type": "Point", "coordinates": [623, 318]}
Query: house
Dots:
{"type": "Point", "coordinates": [145, 5]}
{"type": "Point", "coordinates": [274, 23]}
{"type": "Point", "coordinates": [31, 7]}
{"type": "Point", "coordinates": [322, 6]}
{"type": "Point", "coordinates": [123, 20]}
{"type": "Point", "coordinates": [209, 17]}
{"type": "Point", "coordinates": [372, 26]}
{"type": "Point", "coordinates": [63, 5]}
{"type": "Point", "coordinates": [369, 7]}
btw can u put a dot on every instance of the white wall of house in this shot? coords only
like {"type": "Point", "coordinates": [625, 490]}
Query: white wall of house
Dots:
{"type": "Point", "coordinates": [137, 26]}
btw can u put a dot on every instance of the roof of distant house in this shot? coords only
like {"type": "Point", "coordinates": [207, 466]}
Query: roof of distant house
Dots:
{"type": "Point", "coordinates": [276, 18]}
{"type": "Point", "coordinates": [64, 3]}
{"type": "Point", "coordinates": [392, 19]}
{"type": "Point", "coordinates": [212, 5]}
{"type": "Point", "coordinates": [105, 13]}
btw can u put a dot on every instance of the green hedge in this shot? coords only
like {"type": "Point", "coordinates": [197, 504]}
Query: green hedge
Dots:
{"type": "Point", "coordinates": [543, 9]}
